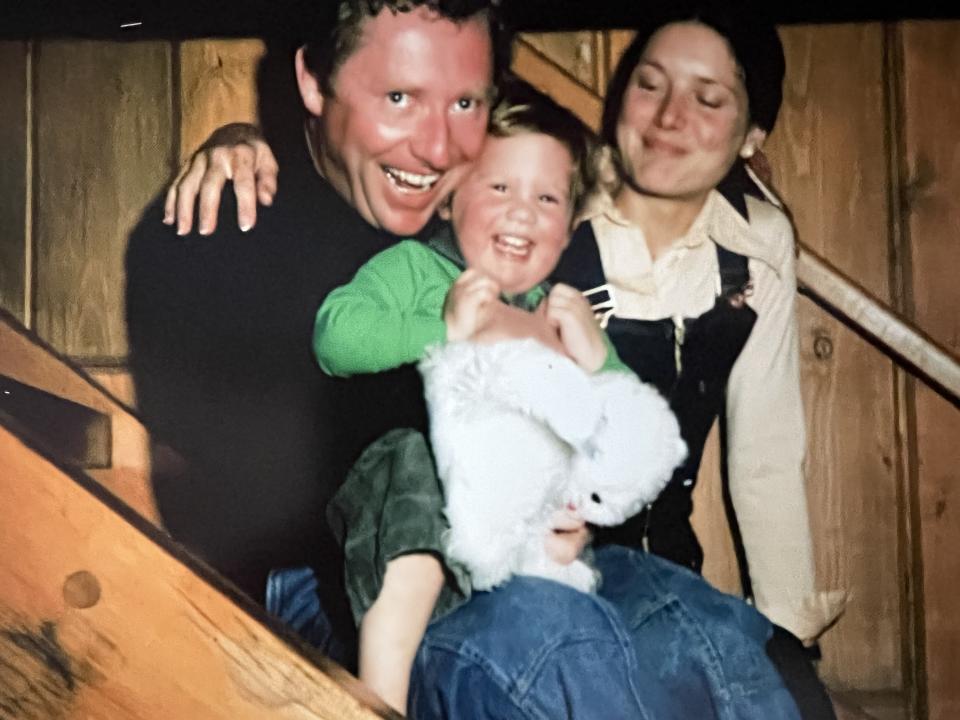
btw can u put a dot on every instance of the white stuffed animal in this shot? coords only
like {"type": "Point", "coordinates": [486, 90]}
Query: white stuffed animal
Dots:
{"type": "Point", "coordinates": [519, 431]}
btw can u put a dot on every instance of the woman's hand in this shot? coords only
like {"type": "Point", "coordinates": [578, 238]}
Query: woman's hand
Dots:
{"type": "Point", "coordinates": [570, 314]}
{"type": "Point", "coordinates": [234, 152]}
{"type": "Point", "coordinates": [568, 537]}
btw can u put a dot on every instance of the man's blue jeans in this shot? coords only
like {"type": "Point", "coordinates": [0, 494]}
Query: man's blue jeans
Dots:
{"type": "Point", "coordinates": [656, 642]}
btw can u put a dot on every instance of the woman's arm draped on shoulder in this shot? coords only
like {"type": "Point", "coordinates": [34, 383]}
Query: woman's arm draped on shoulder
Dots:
{"type": "Point", "coordinates": [235, 152]}
{"type": "Point", "coordinates": [385, 317]}
{"type": "Point", "coordinates": [766, 442]}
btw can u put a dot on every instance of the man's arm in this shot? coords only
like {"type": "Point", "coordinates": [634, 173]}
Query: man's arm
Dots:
{"type": "Point", "coordinates": [386, 316]}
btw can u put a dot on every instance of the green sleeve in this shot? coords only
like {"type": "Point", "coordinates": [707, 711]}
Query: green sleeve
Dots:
{"type": "Point", "coordinates": [387, 315]}
{"type": "Point", "coordinates": [613, 363]}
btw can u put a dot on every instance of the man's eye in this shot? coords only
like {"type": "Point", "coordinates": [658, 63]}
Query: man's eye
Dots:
{"type": "Point", "coordinates": [396, 97]}
{"type": "Point", "coordinates": [466, 103]}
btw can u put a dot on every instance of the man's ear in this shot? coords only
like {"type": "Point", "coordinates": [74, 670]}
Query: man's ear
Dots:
{"type": "Point", "coordinates": [752, 142]}
{"type": "Point", "coordinates": [309, 86]}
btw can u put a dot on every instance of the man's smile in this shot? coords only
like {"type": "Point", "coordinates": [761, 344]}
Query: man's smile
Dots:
{"type": "Point", "coordinates": [409, 182]}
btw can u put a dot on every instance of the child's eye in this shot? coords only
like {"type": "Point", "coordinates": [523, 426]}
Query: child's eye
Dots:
{"type": "Point", "coordinates": [549, 199]}
{"type": "Point", "coordinates": [398, 98]}
{"type": "Point", "coordinates": [499, 187]}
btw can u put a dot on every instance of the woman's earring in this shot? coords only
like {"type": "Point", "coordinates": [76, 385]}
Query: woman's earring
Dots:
{"type": "Point", "coordinates": [747, 152]}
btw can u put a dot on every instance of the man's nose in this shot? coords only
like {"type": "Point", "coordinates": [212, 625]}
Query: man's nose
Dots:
{"type": "Point", "coordinates": [431, 140]}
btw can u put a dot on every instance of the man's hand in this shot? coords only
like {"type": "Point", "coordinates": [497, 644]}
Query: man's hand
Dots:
{"type": "Point", "coordinates": [570, 313]}
{"type": "Point", "coordinates": [234, 152]}
{"type": "Point", "coordinates": [469, 304]}
{"type": "Point", "coordinates": [568, 537]}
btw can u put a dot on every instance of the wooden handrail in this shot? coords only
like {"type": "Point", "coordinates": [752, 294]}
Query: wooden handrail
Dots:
{"type": "Point", "coordinates": [897, 337]}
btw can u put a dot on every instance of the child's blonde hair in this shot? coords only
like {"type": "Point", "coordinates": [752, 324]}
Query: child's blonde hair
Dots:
{"type": "Point", "coordinates": [521, 109]}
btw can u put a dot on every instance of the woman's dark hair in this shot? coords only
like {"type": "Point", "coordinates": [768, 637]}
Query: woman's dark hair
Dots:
{"type": "Point", "coordinates": [753, 41]}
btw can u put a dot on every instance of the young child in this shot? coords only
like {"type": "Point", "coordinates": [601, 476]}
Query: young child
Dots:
{"type": "Point", "coordinates": [508, 223]}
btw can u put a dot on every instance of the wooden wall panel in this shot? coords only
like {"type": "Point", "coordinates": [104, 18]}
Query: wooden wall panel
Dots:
{"type": "Point", "coordinates": [102, 114]}
{"type": "Point", "coordinates": [829, 155]}
{"type": "Point", "coordinates": [217, 86]}
{"type": "Point", "coordinates": [537, 69]}
{"type": "Point", "coordinates": [931, 94]}
{"type": "Point", "coordinates": [576, 52]}
{"type": "Point", "coordinates": [14, 65]}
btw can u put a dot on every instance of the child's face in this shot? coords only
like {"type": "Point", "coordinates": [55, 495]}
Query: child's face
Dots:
{"type": "Point", "coordinates": [512, 213]}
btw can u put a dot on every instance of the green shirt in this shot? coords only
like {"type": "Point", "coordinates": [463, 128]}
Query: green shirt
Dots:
{"type": "Point", "coordinates": [392, 310]}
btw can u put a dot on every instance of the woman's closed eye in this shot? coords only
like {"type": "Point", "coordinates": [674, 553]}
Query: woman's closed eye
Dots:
{"type": "Point", "coordinates": [710, 101]}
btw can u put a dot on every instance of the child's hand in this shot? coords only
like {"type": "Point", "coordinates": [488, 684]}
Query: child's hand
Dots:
{"type": "Point", "coordinates": [510, 323]}
{"type": "Point", "coordinates": [467, 307]}
{"type": "Point", "coordinates": [570, 313]}
{"type": "Point", "coordinates": [567, 537]}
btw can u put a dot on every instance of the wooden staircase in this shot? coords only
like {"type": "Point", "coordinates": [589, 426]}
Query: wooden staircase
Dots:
{"type": "Point", "coordinates": [102, 615]}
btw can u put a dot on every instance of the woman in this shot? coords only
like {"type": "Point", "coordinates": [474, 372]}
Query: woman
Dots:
{"type": "Point", "coordinates": [694, 281]}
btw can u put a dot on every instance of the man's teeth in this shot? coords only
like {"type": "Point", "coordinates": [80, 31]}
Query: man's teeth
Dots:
{"type": "Point", "coordinates": [513, 244]}
{"type": "Point", "coordinates": [411, 181]}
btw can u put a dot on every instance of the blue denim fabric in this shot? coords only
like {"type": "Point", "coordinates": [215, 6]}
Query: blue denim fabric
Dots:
{"type": "Point", "coordinates": [700, 644]}
{"type": "Point", "coordinates": [532, 649]}
{"type": "Point", "coordinates": [291, 595]}
{"type": "Point", "coordinates": [656, 643]}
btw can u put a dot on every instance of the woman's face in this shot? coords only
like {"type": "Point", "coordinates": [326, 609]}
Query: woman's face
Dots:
{"type": "Point", "coordinates": [684, 115]}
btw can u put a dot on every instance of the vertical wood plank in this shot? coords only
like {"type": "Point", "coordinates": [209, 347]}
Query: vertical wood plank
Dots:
{"type": "Point", "coordinates": [829, 156]}
{"type": "Point", "coordinates": [217, 86]}
{"type": "Point", "coordinates": [710, 521]}
{"type": "Point", "coordinates": [931, 54]}
{"type": "Point", "coordinates": [103, 151]}
{"type": "Point", "coordinates": [616, 42]}
{"type": "Point", "coordinates": [14, 129]}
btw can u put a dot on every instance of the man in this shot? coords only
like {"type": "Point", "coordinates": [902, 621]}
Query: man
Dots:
{"type": "Point", "coordinates": [220, 327]}
{"type": "Point", "coordinates": [396, 99]}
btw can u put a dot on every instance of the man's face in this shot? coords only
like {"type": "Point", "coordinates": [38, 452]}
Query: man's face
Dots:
{"type": "Point", "coordinates": [512, 213]}
{"type": "Point", "coordinates": [408, 116]}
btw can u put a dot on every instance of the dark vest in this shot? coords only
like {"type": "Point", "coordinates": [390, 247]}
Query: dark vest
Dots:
{"type": "Point", "coordinates": [689, 360]}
